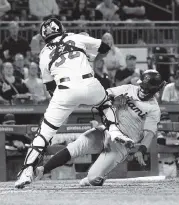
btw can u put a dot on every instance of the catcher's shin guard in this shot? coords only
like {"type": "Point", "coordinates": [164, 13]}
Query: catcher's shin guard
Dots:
{"type": "Point", "coordinates": [35, 153]}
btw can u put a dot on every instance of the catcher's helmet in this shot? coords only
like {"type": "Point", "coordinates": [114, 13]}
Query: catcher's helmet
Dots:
{"type": "Point", "coordinates": [50, 29]}
{"type": "Point", "coordinates": [150, 83]}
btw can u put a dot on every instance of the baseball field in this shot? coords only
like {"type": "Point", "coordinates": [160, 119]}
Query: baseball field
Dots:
{"type": "Point", "coordinates": [114, 192]}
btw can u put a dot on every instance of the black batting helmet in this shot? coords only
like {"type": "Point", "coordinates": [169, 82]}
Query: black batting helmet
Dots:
{"type": "Point", "coordinates": [50, 29]}
{"type": "Point", "coordinates": [150, 83]}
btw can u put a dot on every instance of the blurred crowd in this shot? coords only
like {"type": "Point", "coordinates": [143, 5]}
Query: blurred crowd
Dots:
{"type": "Point", "coordinates": [20, 80]}
{"type": "Point", "coordinates": [25, 10]}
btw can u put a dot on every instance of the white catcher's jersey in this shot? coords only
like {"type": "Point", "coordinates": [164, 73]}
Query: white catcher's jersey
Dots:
{"type": "Point", "coordinates": [73, 64]}
{"type": "Point", "coordinates": [139, 116]}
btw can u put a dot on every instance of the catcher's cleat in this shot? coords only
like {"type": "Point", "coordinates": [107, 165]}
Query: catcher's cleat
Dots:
{"type": "Point", "coordinates": [85, 182]}
{"type": "Point", "coordinates": [25, 177]}
{"type": "Point", "coordinates": [39, 173]}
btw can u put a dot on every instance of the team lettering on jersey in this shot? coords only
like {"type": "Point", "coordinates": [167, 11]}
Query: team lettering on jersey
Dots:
{"type": "Point", "coordinates": [135, 108]}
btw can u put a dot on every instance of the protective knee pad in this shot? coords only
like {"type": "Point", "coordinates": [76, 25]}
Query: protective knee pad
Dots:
{"type": "Point", "coordinates": [107, 112]}
{"type": "Point", "coordinates": [98, 181]}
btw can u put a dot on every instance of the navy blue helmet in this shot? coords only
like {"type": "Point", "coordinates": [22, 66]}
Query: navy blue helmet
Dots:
{"type": "Point", "coordinates": [50, 29]}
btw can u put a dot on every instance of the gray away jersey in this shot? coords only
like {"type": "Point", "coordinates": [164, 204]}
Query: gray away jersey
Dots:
{"type": "Point", "coordinates": [139, 115]}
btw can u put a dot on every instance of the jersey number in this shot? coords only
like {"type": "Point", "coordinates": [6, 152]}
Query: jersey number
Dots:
{"type": "Point", "coordinates": [71, 55]}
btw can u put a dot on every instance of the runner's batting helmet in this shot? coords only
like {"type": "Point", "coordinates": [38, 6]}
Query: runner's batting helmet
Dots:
{"type": "Point", "coordinates": [50, 29]}
{"type": "Point", "coordinates": [150, 83]}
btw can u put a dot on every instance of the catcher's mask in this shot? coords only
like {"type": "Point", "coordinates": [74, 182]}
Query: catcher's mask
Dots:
{"type": "Point", "coordinates": [50, 29]}
{"type": "Point", "coordinates": [150, 83]}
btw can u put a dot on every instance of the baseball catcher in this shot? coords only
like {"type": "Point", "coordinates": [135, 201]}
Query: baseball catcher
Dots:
{"type": "Point", "coordinates": [67, 74]}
